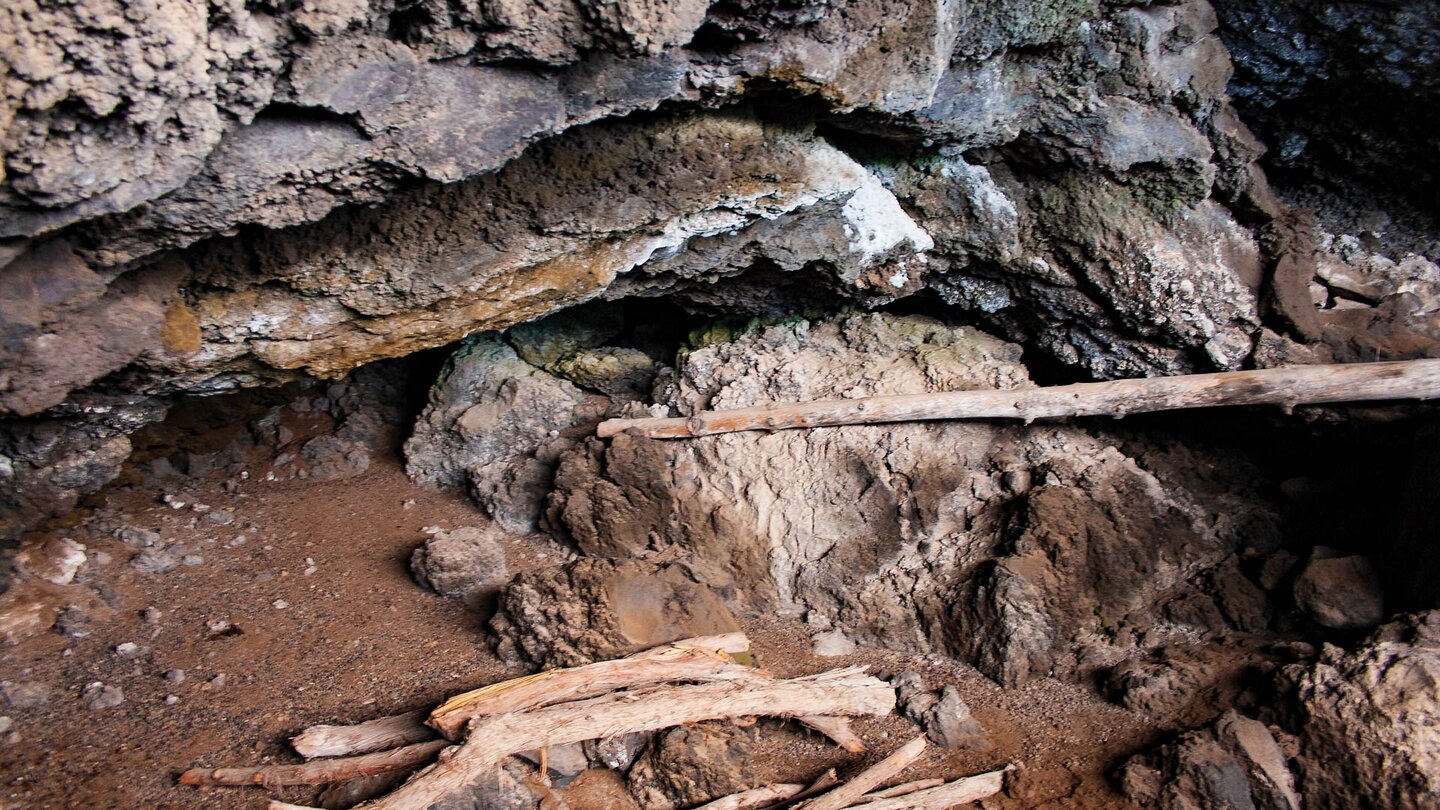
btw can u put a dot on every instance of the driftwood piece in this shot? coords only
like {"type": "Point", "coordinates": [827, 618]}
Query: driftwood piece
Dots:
{"type": "Point", "coordinates": [317, 772]}
{"type": "Point", "coordinates": [869, 779]}
{"type": "Point", "coordinates": [700, 659]}
{"type": "Point", "coordinates": [373, 735]}
{"type": "Point", "coordinates": [899, 790]}
{"type": "Point", "coordinates": [755, 797]}
{"type": "Point", "coordinates": [840, 692]}
{"type": "Point", "coordinates": [951, 794]}
{"type": "Point", "coordinates": [837, 729]}
{"type": "Point", "coordinates": [1288, 387]}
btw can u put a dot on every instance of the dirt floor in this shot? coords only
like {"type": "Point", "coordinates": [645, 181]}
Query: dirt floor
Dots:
{"type": "Point", "coordinates": [328, 627]}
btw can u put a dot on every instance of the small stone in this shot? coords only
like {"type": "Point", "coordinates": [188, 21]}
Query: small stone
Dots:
{"type": "Point", "coordinates": [280, 604]}
{"type": "Point", "coordinates": [25, 694]}
{"type": "Point", "coordinates": [5, 724]}
{"type": "Point", "coordinates": [73, 622]}
{"type": "Point", "coordinates": [222, 627]}
{"type": "Point", "coordinates": [467, 563]}
{"type": "Point", "coordinates": [128, 649]}
{"type": "Point", "coordinates": [151, 615]}
{"type": "Point", "coordinates": [1341, 593]}
{"type": "Point", "coordinates": [176, 676]}
{"type": "Point", "coordinates": [220, 681]}
{"type": "Point", "coordinates": [154, 561]}
{"type": "Point", "coordinates": [171, 700]}
{"type": "Point", "coordinates": [833, 643]}
{"type": "Point", "coordinates": [172, 502]}
{"type": "Point", "coordinates": [98, 696]}
{"type": "Point", "coordinates": [102, 559]}
{"type": "Point", "coordinates": [192, 560]}
{"type": "Point", "coordinates": [221, 517]}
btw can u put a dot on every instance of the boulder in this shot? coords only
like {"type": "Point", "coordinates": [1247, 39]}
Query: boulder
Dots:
{"type": "Point", "coordinates": [1366, 719]}
{"type": "Point", "coordinates": [595, 610]}
{"type": "Point", "coordinates": [466, 563]}
{"type": "Point", "coordinates": [1340, 593]}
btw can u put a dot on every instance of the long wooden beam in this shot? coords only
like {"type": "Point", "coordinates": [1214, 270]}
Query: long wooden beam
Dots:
{"type": "Point", "coordinates": [1286, 387]}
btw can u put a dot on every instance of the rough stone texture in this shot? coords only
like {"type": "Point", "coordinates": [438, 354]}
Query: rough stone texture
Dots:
{"type": "Point", "coordinates": [467, 563]}
{"type": "Point", "coordinates": [1028, 551]}
{"type": "Point", "coordinates": [496, 425]}
{"type": "Point", "coordinates": [1235, 764]}
{"type": "Point", "coordinates": [1341, 91]}
{"type": "Point", "coordinates": [1366, 719]}
{"type": "Point", "coordinates": [595, 610]}
{"type": "Point", "coordinates": [1341, 593]}
{"type": "Point", "coordinates": [1071, 172]}
{"type": "Point", "coordinates": [694, 764]}
{"type": "Point", "coordinates": [942, 713]}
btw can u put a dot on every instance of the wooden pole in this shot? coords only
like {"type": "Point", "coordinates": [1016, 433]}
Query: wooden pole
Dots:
{"type": "Point", "coordinates": [317, 772]}
{"type": "Point", "coordinates": [362, 738]}
{"type": "Point", "coordinates": [1287, 387]}
{"type": "Point", "coordinates": [868, 779]}
{"type": "Point", "coordinates": [951, 794]}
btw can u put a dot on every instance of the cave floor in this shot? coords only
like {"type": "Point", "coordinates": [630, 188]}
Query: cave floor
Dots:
{"type": "Point", "coordinates": [356, 638]}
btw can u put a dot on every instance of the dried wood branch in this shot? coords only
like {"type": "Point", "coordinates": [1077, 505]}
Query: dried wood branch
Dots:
{"type": "Point", "coordinates": [899, 790]}
{"type": "Point", "coordinates": [362, 738]}
{"type": "Point", "coordinates": [840, 692]}
{"type": "Point", "coordinates": [699, 659]}
{"type": "Point", "coordinates": [317, 772]}
{"type": "Point", "coordinates": [837, 729]}
{"type": "Point", "coordinates": [869, 779]}
{"type": "Point", "coordinates": [1288, 387]}
{"type": "Point", "coordinates": [950, 794]}
{"type": "Point", "coordinates": [755, 797]}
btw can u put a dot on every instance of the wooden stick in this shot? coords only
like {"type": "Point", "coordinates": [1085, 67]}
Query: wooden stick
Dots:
{"type": "Point", "coordinates": [317, 772]}
{"type": "Point", "coordinates": [362, 738]}
{"type": "Point", "coordinates": [1288, 387]}
{"type": "Point", "coordinates": [961, 791]}
{"type": "Point", "coordinates": [278, 805]}
{"type": "Point", "coordinates": [755, 797]}
{"type": "Point", "coordinates": [870, 778]}
{"type": "Point", "coordinates": [684, 661]}
{"type": "Point", "coordinates": [898, 790]}
{"type": "Point", "coordinates": [837, 729]}
{"type": "Point", "coordinates": [839, 692]}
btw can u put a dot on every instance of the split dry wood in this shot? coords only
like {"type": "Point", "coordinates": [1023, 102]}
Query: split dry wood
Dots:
{"type": "Point", "coordinates": [362, 738]}
{"type": "Point", "coordinates": [1300, 385]}
{"type": "Point", "coordinates": [899, 790]}
{"type": "Point", "coordinates": [837, 729]}
{"type": "Point", "coordinates": [318, 772]}
{"type": "Point", "coordinates": [755, 797]}
{"type": "Point", "coordinates": [869, 779]}
{"type": "Point", "coordinates": [840, 692]}
{"type": "Point", "coordinates": [950, 794]}
{"type": "Point", "coordinates": [700, 659]}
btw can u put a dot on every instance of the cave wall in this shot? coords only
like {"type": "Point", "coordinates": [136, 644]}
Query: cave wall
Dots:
{"type": "Point", "coordinates": [198, 202]}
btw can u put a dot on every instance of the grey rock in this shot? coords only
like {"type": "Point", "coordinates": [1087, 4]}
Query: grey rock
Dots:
{"type": "Point", "coordinates": [466, 563]}
{"type": "Point", "coordinates": [1341, 593]}
{"type": "Point", "coordinates": [942, 713]}
{"type": "Point", "coordinates": [1235, 764]}
{"type": "Point", "coordinates": [25, 694]}
{"type": "Point", "coordinates": [175, 676]}
{"type": "Point", "coordinates": [97, 696]}
{"type": "Point", "coordinates": [155, 561]}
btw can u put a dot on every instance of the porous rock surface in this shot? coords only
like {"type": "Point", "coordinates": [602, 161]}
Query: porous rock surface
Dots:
{"type": "Point", "coordinates": [1233, 764]}
{"type": "Point", "coordinates": [194, 202]}
{"type": "Point", "coordinates": [1028, 551]}
{"type": "Point", "coordinates": [1366, 719]}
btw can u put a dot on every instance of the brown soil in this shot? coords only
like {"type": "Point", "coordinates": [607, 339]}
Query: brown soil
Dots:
{"type": "Point", "coordinates": [358, 639]}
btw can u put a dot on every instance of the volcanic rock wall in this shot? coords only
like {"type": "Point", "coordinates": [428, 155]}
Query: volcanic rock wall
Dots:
{"type": "Point", "coordinates": [198, 202]}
